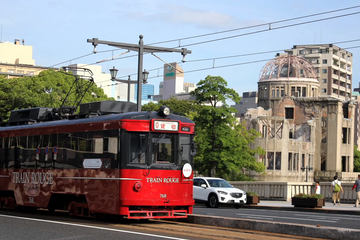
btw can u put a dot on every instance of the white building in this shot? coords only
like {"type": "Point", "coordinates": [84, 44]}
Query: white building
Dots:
{"type": "Point", "coordinates": [173, 84]}
{"type": "Point", "coordinates": [113, 89]}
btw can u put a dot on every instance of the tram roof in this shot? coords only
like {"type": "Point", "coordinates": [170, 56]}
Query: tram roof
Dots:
{"type": "Point", "coordinates": [95, 119]}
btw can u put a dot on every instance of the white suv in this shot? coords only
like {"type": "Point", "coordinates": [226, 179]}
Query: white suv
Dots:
{"type": "Point", "coordinates": [216, 190]}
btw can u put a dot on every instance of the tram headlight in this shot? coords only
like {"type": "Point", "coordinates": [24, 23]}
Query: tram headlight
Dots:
{"type": "Point", "coordinates": [164, 111]}
{"type": "Point", "coordinates": [137, 186]}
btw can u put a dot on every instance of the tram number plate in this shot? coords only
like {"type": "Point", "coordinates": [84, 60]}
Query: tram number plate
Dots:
{"type": "Point", "coordinates": [163, 195]}
{"type": "Point", "coordinates": [166, 125]}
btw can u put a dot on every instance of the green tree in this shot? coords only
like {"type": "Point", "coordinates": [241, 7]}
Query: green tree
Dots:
{"type": "Point", "coordinates": [356, 159]}
{"type": "Point", "coordinates": [223, 143]}
{"type": "Point", "coordinates": [180, 107]}
{"type": "Point", "coordinates": [48, 89]}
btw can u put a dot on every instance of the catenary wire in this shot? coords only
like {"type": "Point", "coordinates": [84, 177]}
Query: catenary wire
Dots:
{"type": "Point", "coordinates": [246, 54]}
{"type": "Point", "coordinates": [255, 32]}
{"type": "Point", "coordinates": [230, 30]}
{"type": "Point", "coordinates": [222, 66]}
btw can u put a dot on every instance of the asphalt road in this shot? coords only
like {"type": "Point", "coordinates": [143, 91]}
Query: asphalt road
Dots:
{"type": "Point", "coordinates": [298, 217]}
{"type": "Point", "coordinates": [44, 226]}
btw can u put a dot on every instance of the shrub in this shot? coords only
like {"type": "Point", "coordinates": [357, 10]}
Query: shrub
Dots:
{"type": "Point", "coordinates": [302, 195]}
{"type": "Point", "coordinates": [252, 194]}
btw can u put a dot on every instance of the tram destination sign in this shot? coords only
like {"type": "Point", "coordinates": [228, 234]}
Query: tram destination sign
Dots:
{"type": "Point", "coordinates": [161, 125]}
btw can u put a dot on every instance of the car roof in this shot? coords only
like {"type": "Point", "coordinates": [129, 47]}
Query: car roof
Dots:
{"type": "Point", "coordinates": [209, 178]}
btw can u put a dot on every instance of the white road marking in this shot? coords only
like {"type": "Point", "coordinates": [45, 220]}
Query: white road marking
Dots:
{"type": "Point", "coordinates": [274, 217]}
{"type": "Point", "coordinates": [93, 227]}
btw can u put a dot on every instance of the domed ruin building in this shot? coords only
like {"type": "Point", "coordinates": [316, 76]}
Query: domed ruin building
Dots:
{"type": "Point", "coordinates": [305, 137]}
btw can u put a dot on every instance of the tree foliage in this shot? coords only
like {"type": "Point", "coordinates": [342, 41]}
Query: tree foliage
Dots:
{"type": "Point", "coordinates": [356, 159]}
{"type": "Point", "coordinates": [223, 143]}
{"type": "Point", "coordinates": [180, 107]}
{"type": "Point", "coordinates": [48, 89]}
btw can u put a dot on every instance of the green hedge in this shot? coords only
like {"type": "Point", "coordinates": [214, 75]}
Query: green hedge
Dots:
{"type": "Point", "coordinates": [302, 195]}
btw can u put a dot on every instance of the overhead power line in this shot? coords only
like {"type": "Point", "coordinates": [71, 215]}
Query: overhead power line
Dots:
{"type": "Point", "coordinates": [244, 55]}
{"type": "Point", "coordinates": [259, 25]}
{"type": "Point", "coordinates": [256, 32]}
{"type": "Point", "coordinates": [228, 65]}
{"type": "Point", "coordinates": [270, 29]}
{"type": "Point", "coordinates": [238, 29]}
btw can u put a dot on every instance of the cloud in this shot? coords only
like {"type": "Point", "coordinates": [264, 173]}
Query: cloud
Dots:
{"type": "Point", "coordinates": [201, 18]}
{"type": "Point", "coordinates": [182, 15]}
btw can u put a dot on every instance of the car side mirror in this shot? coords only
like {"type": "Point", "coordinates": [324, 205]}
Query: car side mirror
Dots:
{"type": "Point", "coordinates": [203, 185]}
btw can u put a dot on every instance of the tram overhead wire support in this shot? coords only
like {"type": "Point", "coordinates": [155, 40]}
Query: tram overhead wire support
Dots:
{"type": "Point", "coordinates": [140, 48]}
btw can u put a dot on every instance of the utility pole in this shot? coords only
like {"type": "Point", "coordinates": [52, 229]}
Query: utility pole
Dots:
{"type": "Point", "coordinates": [140, 48]}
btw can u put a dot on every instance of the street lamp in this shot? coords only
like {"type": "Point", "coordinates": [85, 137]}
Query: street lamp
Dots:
{"type": "Point", "coordinates": [145, 75]}
{"type": "Point", "coordinates": [141, 49]}
{"type": "Point", "coordinates": [113, 73]}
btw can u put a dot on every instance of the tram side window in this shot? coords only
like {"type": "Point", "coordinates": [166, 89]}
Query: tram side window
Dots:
{"type": "Point", "coordinates": [28, 158]}
{"type": "Point", "coordinates": [138, 145]}
{"type": "Point", "coordinates": [3, 163]}
{"type": "Point", "coordinates": [75, 147]}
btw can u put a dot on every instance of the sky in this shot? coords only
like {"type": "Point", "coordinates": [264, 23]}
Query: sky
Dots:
{"type": "Point", "coordinates": [58, 31]}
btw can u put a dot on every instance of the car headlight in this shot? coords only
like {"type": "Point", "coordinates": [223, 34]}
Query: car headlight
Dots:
{"type": "Point", "coordinates": [222, 192]}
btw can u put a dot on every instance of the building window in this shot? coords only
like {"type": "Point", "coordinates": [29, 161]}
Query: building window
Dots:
{"type": "Point", "coordinates": [282, 91]}
{"type": "Point", "coordinates": [270, 158]}
{"type": "Point", "coordinates": [323, 90]}
{"type": "Point", "coordinates": [289, 113]}
{"type": "Point", "coordinates": [344, 163]}
{"type": "Point", "coordinates": [310, 161]}
{"type": "Point", "coordinates": [278, 161]}
{"type": "Point", "coordinates": [290, 160]}
{"type": "Point", "coordinates": [346, 135]}
{"type": "Point", "coordinates": [291, 133]}
{"type": "Point", "coordinates": [324, 71]}
{"type": "Point", "coordinates": [302, 161]}
{"type": "Point", "coordinates": [293, 91]}
{"type": "Point", "coordinates": [324, 80]}
{"type": "Point", "coordinates": [324, 61]}
{"type": "Point", "coordinates": [264, 131]}
{"type": "Point", "coordinates": [296, 162]}
{"type": "Point", "coordinates": [304, 91]}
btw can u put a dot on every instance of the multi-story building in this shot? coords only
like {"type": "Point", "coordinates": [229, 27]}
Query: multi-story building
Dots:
{"type": "Point", "coordinates": [173, 84]}
{"type": "Point", "coordinates": [248, 100]}
{"type": "Point", "coordinates": [333, 67]}
{"type": "Point", "coordinates": [16, 60]}
{"type": "Point", "coordinates": [303, 134]}
{"type": "Point", "coordinates": [147, 94]}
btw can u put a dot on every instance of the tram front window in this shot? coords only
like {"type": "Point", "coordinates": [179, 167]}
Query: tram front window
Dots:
{"type": "Point", "coordinates": [163, 148]}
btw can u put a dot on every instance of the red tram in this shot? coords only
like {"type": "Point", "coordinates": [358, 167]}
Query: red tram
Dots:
{"type": "Point", "coordinates": [133, 164]}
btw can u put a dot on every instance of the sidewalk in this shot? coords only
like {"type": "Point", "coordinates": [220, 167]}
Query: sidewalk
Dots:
{"type": "Point", "coordinates": [346, 208]}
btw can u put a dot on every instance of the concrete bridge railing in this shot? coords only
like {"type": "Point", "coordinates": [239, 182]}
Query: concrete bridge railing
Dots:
{"type": "Point", "coordinates": [285, 190]}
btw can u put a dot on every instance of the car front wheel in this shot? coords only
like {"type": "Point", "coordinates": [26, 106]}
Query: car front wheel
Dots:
{"type": "Point", "coordinates": [213, 201]}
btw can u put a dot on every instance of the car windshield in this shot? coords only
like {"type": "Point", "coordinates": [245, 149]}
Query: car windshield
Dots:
{"type": "Point", "coordinates": [219, 183]}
